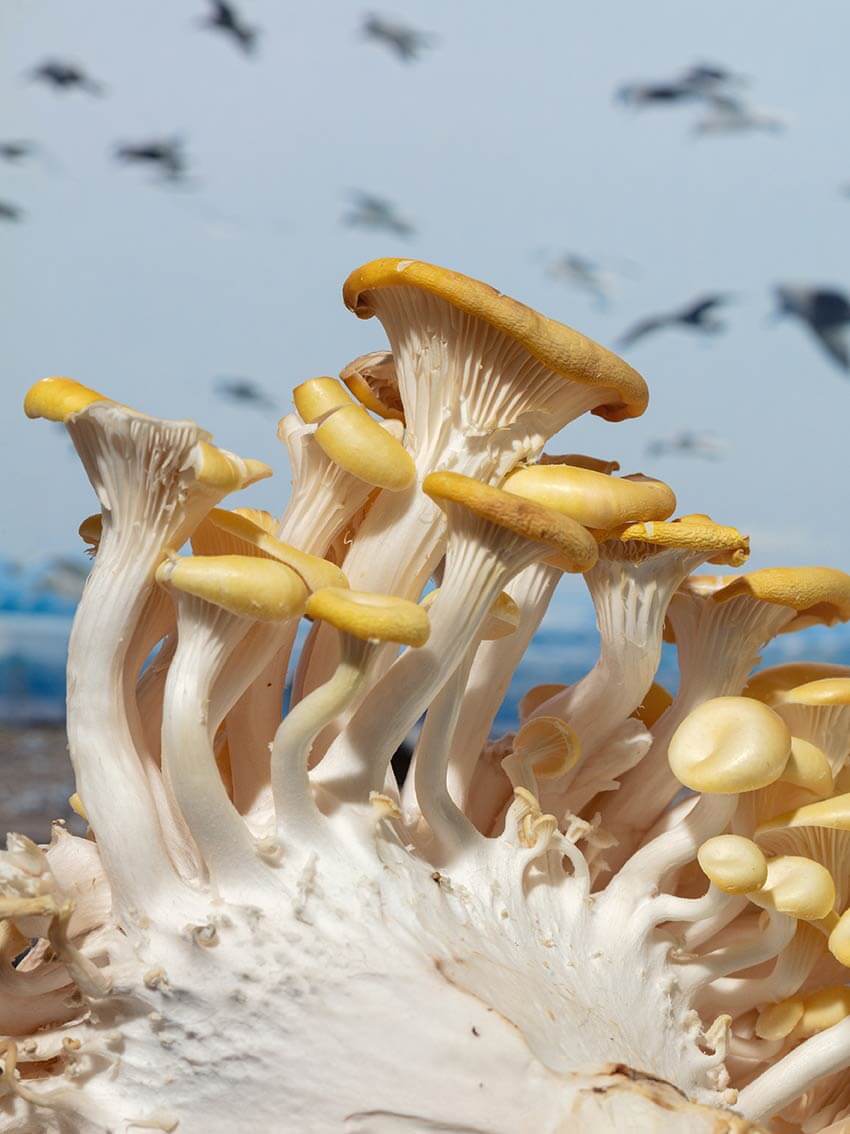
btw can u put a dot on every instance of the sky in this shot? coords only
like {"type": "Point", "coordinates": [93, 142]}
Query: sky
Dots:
{"type": "Point", "coordinates": [504, 145]}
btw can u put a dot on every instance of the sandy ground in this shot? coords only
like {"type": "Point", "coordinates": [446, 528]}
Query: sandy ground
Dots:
{"type": "Point", "coordinates": [35, 782]}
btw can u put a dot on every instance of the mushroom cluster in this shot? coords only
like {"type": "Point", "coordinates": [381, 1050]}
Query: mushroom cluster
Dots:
{"type": "Point", "coordinates": [631, 913]}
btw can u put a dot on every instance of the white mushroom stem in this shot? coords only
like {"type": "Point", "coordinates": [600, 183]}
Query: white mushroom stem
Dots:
{"type": "Point", "coordinates": [491, 672]}
{"type": "Point", "coordinates": [480, 560]}
{"type": "Point", "coordinates": [765, 942]}
{"type": "Point", "coordinates": [207, 635]}
{"type": "Point", "coordinates": [718, 645]}
{"type": "Point", "coordinates": [297, 818]}
{"type": "Point", "coordinates": [797, 1072]}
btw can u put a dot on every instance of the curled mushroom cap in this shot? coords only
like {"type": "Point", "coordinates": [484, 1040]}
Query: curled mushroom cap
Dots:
{"type": "Point", "coordinates": [826, 691]}
{"type": "Point", "coordinates": [382, 618]}
{"type": "Point", "coordinates": [594, 499]}
{"type": "Point", "coordinates": [372, 379]}
{"type": "Point", "coordinates": [779, 1020]}
{"type": "Point", "coordinates": [245, 536]}
{"type": "Point", "coordinates": [734, 864]}
{"type": "Point", "coordinates": [260, 589]}
{"type": "Point", "coordinates": [548, 746]}
{"type": "Point", "coordinates": [779, 678]}
{"type": "Point", "coordinates": [580, 461]}
{"type": "Point", "coordinates": [818, 594]}
{"type": "Point", "coordinates": [823, 1009]}
{"type": "Point", "coordinates": [656, 701]}
{"type": "Point", "coordinates": [808, 768]}
{"type": "Point", "coordinates": [839, 940]}
{"type": "Point", "coordinates": [730, 744]}
{"type": "Point", "coordinates": [697, 532]}
{"type": "Point", "coordinates": [57, 398]}
{"type": "Point", "coordinates": [561, 349]}
{"type": "Point", "coordinates": [351, 438]}
{"type": "Point", "coordinates": [225, 472]}
{"type": "Point", "coordinates": [796, 886]}
{"type": "Point", "coordinates": [574, 545]}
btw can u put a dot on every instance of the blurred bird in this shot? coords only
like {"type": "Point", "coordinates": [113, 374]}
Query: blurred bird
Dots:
{"type": "Point", "coordinates": [225, 18]}
{"type": "Point", "coordinates": [825, 311]}
{"type": "Point", "coordinates": [378, 213]}
{"type": "Point", "coordinates": [698, 315]}
{"type": "Point", "coordinates": [15, 151]}
{"type": "Point", "coordinates": [687, 444]}
{"type": "Point", "coordinates": [730, 115]}
{"type": "Point", "coordinates": [586, 275]}
{"type": "Point", "coordinates": [703, 80]}
{"type": "Point", "coordinates": [9, 212]}
{"type": "Point", "coordinates": [404, 40]}
{"type": "Point", "coordinates": [64, 76]}
{"type": "Point", "coordinates": [246, 391]}
{"type": "Point", "coordinates": [164, 153]}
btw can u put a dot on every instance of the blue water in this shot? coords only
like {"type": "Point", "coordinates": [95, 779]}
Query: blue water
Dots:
{"type": "Point", "coordinates": [34, 627]}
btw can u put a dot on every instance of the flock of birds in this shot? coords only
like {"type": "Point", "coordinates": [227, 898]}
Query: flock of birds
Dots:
{"type": "Point", "coordinates": [717, 93]}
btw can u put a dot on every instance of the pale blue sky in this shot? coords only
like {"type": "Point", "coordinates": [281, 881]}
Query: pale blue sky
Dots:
{"type": "Point", "coordinates": [502, 140]}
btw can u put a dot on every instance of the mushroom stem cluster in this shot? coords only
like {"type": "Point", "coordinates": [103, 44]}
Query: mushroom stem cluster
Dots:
{"type": "Point", "coordinates": [631, 913]}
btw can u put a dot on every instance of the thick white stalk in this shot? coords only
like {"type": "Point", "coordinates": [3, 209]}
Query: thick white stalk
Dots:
{"type": "Point", "coordinates": [762, 945]}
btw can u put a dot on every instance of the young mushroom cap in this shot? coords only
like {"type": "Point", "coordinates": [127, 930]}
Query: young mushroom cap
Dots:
{"type": "Point", "coordinates": [826, 814]}
{"type": "Point", "coordinates": [56, 399]}
{"type": "Point", "coordinates": [574, 545]}
{"type": "Point", "coordinates": [580, 461]}
{"type": "Point", "coordinates": [734, 864]}
{"type": "Point", "coordinates": [823, 1009]}
{"type": "Point", "coordinates": [765, 684]}
{"type": "Point", "coordinates": [372, 379]}
{"type": "Point", "coordinates": [372, 617]}
{"type": "Point", "coordinates": [779, 1020]}
{"type": "Point", "coordinates": [839, 940]}
{"type": "Point", "coordinates": [594, 499]}
{"type": "Point", "coordinates": [808, 768]}
{"type": "Point", "coordinates": [695, 532]}
{"type": "Point", "coordinates": [826, 691]}
{"type": "Point", "coordinates": [548, 745]}
{"type": "Point", "coordinates": [561, 349]}
{"type": "Point", "coordinates": [796, 886]}
{"type": "Point", "coordinates": [818, 594]}
{"type": "Point", "coordinates": [351, 438]}
{"type": "Point", "coordinates": [260, 589]}
{"type": "Point", "coordinates": [730, 744]}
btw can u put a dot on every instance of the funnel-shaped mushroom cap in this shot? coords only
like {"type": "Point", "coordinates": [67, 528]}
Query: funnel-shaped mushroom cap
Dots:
{"type": "Point", "coordinates": [548, 746]}
{"type": "Point", "coordinates": [372, 379]}
{"type": "Point", "coordinates": [351, 438]}
{"type": "Point", "coordinates": [57, 398]}
{"type": "Point", "coordinates": [827, 814]}
{"type": "Point", "coordinates": [824, 1009]}
{"type": "Point", "coordinates": [594, 499]}
{"type": "Point", "coordinates": [825, 691]}
{"type": "Point", "coordinates": [730, 744]}
{"type": "Point", "coordinates": [382, 618]}
{"type": "Point", "coordinates": [697, 533]}
{"type": "Point", "coordinates": [839, 940]}
{"type": "Point", "coordinates": [656, 701]}
{"type": "Point", "coordinates": [765, 684]}
{"type": "Point", "coordinates": [91, 530]}
{"type": "Point", "coordinates": [580, 461]}
{"type": "Point", "coordinates": [247, 537]}
{"type": "Point", "coordinates": [260, 589]}
{"type": "Point", "coordinates": [808, 768]}
{"type": "Point", "coordinates": [779, 1020]}
{"type": "Point", "coordinates": [734, 864]}
{"type": "Point", "coordinates": [573, 543]}
{"type": "Point", "coordinates": [798, 887]}
{"type": "Point", "coordinates": [818, 594]}
{"type": "Point", "coordinates": [562, 350]}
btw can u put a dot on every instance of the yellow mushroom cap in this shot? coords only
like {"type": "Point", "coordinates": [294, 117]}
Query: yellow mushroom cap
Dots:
{"type": "Point", "coordinates": [561, 349]}
{"type": "Point", "coordinates": [356, 442]}
{"type": "Point", "coordinates": [76, 805]}
{"type": "Point", "coordinates": [823, 1009]}
{"type": "Point", "coordinates": [691, 533]}
{"type": "Point", "coordinates": [796, 886]}
{"type": "Point", "coordinates": [91, 530]}
{"type": "Point", "coordinates": [826, 691]}
{"type": "Point", "coordinates": [372, 379]}
{"type": "Point", "coordinates": [574, 545]}
{"type": "Point", "coordinates": [247, 536]}
{"type": "Point", "coordinates": [260, 589]}
{"type": "Point", "coordinates": [819, 594]}
{"type": "Point", "coordinates": [260, 517]}
{"type": "Point", "coordinates": [226, 472]}
{"type": "Point", "coordinates": [730, 744]}
{"type": "Point", "coordinates": [779, 1020]}
{"type": "Point", "coordinates": [779, 678]}
{"type": "Point", "coordinates": [548, 745]}
{"type": "Point", "coordinates": [502, 619]}
{"type": "Point", "coordinates": [594, 499]}
{"type": "Point", "coordinates": [383, 618]}
{"type": "Point", "coordinates": [828, 814]}
{"type": "Point", "coordinates": [808, 768]}
{"type": "Point", "coordinates": [580, 461]}
{"type": "Point", "coordinates": [318, 397]}
{"type": "Point", "coordinates": [538, 695]}
{"type": "Point", "coordinates": [655, 702]}
{"type": "Point", "coordinates": [839, 940]}
{"type": "Point", "coordinates": [57, 398]}
{"type": "Point", "coordinates": [734, 864]}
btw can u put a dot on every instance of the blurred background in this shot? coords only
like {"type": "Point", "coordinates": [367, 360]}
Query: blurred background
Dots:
{"type": "Point", "coordinates": [184, 185]}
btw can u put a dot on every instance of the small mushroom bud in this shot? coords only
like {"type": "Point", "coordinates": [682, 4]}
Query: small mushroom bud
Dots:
{"type": "Point", "coordinates": [796, 886]}
{"type": "Point", "coordinates": [823, 1009]}
{"type": "Point", "coordinates": [808, 768]}
{"type": "Point", "coordinates": [839, 939]}
{"type": "Point", "coordinates": [779, 1020]}
{"type": "Point", "coordinates": [734, 864]}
